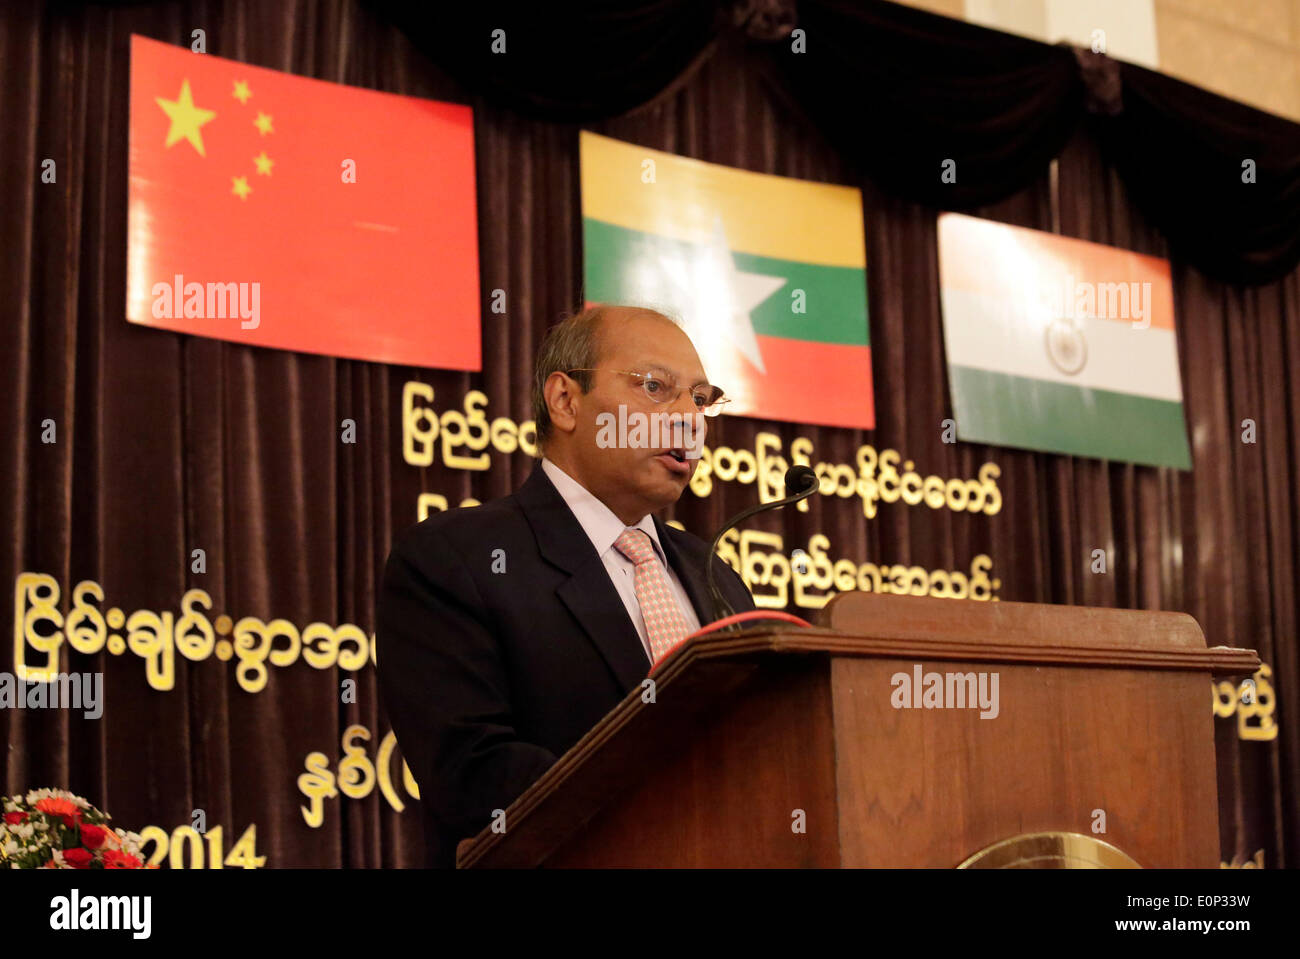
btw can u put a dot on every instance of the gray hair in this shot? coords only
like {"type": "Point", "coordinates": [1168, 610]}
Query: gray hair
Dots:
{"type": "Point", "coordinates": [578, 343]}
{"type": "Point", "coordinates": [572, 344]}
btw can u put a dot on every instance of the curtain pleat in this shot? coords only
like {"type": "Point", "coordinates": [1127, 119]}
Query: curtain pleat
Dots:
{"type": "Point", "coordinates": [168, 444]}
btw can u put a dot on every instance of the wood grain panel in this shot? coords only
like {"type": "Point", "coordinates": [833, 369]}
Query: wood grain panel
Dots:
{"type": "Point", "coordinates": [726, 798]}
{"type": "Point", "coordinates": [930, 787]}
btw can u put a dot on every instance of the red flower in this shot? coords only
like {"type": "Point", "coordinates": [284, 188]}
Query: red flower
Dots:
{"type": "Point", "coordinates": [63, 809]}
{"type": "Point", "coordinates": [78, 858]}
{"type": "Point", "coordinates": [57, 807]}
{"type": "Point", "coordinates": [92, 837]}
{"type": "Point", "coordinates": [116, 859]}
{"type": "Point", "coordinates": [15, 817]}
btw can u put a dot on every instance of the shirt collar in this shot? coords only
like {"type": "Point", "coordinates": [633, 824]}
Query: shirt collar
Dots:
{"type": "Point", "coordinates": [597, 520]}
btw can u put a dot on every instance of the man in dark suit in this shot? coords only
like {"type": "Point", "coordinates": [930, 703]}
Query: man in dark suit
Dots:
{"type": "Point", "coordinates": [506, 631]}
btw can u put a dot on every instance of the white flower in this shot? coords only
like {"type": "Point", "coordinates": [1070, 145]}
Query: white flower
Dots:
{"type": "Point", "coordinates": [71, 797]}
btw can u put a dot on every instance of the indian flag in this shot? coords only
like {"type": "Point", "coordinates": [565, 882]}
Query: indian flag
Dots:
{"type": "Point", "coordinates": [1060, 345]}
{"type": "Point", "coordinates": [766, 274]}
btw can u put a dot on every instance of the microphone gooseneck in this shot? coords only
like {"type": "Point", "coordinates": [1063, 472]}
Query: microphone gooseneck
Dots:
{"type": "Point", "coordinates": [800, 479]}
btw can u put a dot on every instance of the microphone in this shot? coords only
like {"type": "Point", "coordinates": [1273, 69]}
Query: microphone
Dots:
{"type": "Point", "coordinates": [801, 482]}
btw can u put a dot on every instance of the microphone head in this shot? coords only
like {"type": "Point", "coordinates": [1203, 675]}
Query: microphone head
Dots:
{"type": "Point", "coordinates": [799, 479]}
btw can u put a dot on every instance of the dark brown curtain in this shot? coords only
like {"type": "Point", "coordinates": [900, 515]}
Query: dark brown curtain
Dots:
{"type": "Point", "coordinates": [169, 443]}
{"type": "Point", "coordinates": [903, 92]}
{"type": "Point", "coordinates": [1220, 179]}
{"type": "Point", "coordinates": [586, 60]}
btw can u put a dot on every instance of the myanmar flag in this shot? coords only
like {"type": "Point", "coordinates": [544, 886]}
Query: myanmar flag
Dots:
{"type": "Point", "coordinates": [766, 274]}
{"type": "Point", "coordinates": [1060, 345]}
{"type": "Point", "coordinates": [279, 211]}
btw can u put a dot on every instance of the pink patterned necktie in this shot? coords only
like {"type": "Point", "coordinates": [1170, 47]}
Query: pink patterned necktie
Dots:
{"type": "Point", "coordinates": [665, 623]}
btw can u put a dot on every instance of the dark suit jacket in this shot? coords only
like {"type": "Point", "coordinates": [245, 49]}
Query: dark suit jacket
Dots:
{"type": "Point", "coordinates": [488, 677]}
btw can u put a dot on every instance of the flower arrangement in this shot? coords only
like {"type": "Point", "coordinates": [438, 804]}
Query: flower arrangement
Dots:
{"type": "Point", "coordinates": [53, 829]}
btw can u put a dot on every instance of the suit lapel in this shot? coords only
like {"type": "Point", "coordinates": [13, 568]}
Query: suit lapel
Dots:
{"type": "Point", "coordinates": [690, 570]}
{"type": "Point", "coordinates": [587, 593]}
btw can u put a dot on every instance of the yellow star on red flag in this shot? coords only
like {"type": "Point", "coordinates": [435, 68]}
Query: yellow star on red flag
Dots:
{"type": "Point", "coordinates": [253, 211]}
{"type": "Point", "coordinates": [186, 118]}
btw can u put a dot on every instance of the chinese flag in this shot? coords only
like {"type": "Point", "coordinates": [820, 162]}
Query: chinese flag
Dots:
{"type": "Point", "coordinates": [280, 211]}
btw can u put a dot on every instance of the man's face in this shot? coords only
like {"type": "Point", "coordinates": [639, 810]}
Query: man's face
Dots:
{"type": "Point", "coordinates": [636, 481]}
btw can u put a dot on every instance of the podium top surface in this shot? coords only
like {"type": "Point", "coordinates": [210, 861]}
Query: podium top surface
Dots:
{"type": "Point", "coordinates": [925, 628]}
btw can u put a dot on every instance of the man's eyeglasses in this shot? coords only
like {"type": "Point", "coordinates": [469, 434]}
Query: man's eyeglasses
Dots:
{"type": "Point", "coordinates": [662, 387]}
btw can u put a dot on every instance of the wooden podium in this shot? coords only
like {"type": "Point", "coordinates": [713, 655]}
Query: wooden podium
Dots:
{"type": "Point", "coordinates": [783, 746]}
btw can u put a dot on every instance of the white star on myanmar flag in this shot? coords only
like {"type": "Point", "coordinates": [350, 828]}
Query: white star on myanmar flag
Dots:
{"type": "Point", "coordinates": [718, 298]}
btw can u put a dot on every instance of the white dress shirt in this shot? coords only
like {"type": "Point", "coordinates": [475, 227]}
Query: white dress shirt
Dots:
{"type": "Point", "coordinates": [603, 528]}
